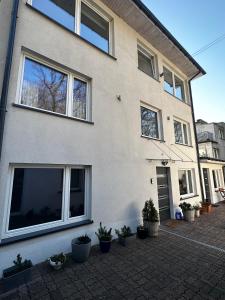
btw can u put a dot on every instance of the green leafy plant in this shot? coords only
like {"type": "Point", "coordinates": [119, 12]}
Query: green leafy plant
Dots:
{"type": "Point", "coordinates": [186, 206]}
{"type": "Point", "coordinates": [83, 239]}
{"type": "Point", "coordinates": [103, 234]}
{"type": "Point", "coordinates": [58, 258]}
{"type": "Point", "coordinates": [149, 212]}
{"type": "Point", "coordinates": [125, 231]}
{"type": "Point", "coordinates": [19, 266]}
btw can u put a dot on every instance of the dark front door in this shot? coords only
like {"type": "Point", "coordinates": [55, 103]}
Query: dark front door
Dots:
{"type": "Point", "coordinates": [206, 184]}
{"type": "Point", "coordinates": [163, 193]}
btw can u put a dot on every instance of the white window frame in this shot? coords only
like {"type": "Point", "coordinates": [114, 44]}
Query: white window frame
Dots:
{"type": "Point", "coordinates": [69, 98]}
{"type": "Point", "coordinates": [193, 179]}
{"type": "Point", "coordinates": [99, 11]}
{"type": "Point", "coordinates": [65, 219]}
{"type": "Point", "coordinates": [185, 100]}
{"type": "Point", "coordinates": [218, 177]}
{"type": "Point", "coordinates": [182, 129]}
{"type": "Point", "coordinates": [159, 121]}
{"type": "Point", "coordinates": [221, 133]}
{"type": "Point", "coordinates": [150, 55]}
{"type": "Point", "coordinates": [215, 152]}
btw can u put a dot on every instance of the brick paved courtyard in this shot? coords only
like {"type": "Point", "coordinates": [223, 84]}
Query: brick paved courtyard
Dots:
{"type": "Point", "coordinates": [167, 267]}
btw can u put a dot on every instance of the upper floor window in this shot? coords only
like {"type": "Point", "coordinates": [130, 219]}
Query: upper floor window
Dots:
{"type": "Point", "coordinates": [48, 88]}
{"type": "Point", "coordinates": [81, 17]}
{"type": "Point", "coordinates": [186, 182]}
{"type": "Point", "coordinates": [221, 133]}
{"type": "Point", "coordinates": [146, 62]}
{"type": "Point", "coordinates": [150, 123]}
{"type": "Point", "coordinates": [181, 132]}
{"type": "Point", "coordinates": [215, 152]}
{"type": "Point", "coordinates": [173, 84]}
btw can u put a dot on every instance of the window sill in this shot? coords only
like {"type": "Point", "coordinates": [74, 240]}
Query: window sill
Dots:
{"type": "Point", "coordinates": [153, 139]}
{"type": "Point", "coordinates": [188, 197]}
{"type": "Point", "coordinates": [177, 98]}
{"type": "Point", "coordinates": [51, 113]}
{"type": "Point", "coordinates": [183, 145]}
{"type": "Point", "coordinates": [156, 79]}
{"type": "Point", "coordinates": [28, 236]}
{"type": "Point", "coordinates": [70, 31]}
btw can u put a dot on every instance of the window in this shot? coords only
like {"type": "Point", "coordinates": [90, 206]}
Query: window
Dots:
{"type": "Point", "coordinates": [186, 183]}
{"type": "Point", "coordinates": [146, 62]}
{"type": "Point", "coordinates": [173, 84]}
{"type": "Point", "coordinates": [150, 123]}
{"type": "Point", "coordinates": [217, 178]}
{"type": "Point", "coordinates": [221, 133]}
{"type": "Point", "coordinates": [48, 196]}
{"type": "Point", "coordinates": [215, 153]}
{"type": "Point", "coordinates": [181, 133]}
{"type": "Point", "coordinates": [44, 87]}
{"type": "Point", "coordinates": [80, 17]}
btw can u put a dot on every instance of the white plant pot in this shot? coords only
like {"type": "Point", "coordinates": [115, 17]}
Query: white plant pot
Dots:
{"type": "Point", "coordinates": [152, 227]}
{"type": "Point", "coordinates": [197, 213]}
{"type": "Point", "coordinates": [189, 215]}
{"type": "Point", "coordinates": [55, 265]}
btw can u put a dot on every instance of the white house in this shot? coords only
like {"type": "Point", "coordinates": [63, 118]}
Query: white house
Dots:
{"type": "Point", "coordinates": [98, 119]}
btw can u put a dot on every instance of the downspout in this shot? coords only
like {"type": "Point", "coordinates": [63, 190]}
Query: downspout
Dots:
{"type": "Point", "coordinates": [7, 70]}
{"type": "Point", "coordinates": [195, 134]}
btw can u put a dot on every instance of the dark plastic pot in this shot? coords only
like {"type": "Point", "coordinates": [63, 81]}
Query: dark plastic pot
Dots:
{"type": "Point", "coordinates": [122, 240]}
{"type": "Point", "coordinates": [80, 252]}
{"type": "Point", "coordinates": [14, 281]}
{"type": "Point", "coordinates": [142, 233]}
{"type": "Point", "coordinates": [105, 246]}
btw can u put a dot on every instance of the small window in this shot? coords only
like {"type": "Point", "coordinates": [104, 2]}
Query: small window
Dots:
{"type": "Point", "coordinates": [217, 178]}
{"type": "Point", "coordinates": [221, 133]}
{"type": "Point", "coordinates": [149, 123]}
{"type": "Point", "coordinates": [146, 62]}
{"type": "Point", "coordinates": [46, 88]}
{"type": "Point", "coordinates": [186, 184]}
{"type": "Point", "coordinates": [181, 133]}
{"type": "Point", "coordinates": [40, 196]}
{"type": "Point", "coordinates": [173, 84]}
{"type": "Point", "coordinates": [215, 153]}
{"type": "Point", "coordinates": [94, 28]}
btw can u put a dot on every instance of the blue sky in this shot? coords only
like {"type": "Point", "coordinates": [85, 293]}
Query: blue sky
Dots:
{"type": "Point", "coordinates": [195, 24]}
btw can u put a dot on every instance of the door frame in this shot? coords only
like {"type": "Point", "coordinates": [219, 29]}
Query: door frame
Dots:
{"type": "Point", "coordinates": [209, 182]}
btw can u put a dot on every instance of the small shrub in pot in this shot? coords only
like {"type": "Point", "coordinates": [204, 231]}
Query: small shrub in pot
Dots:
{"type": "Point", "coordinates": [150, 218]}
{"type": "Point", "coordinates": [81, 247]}
{"type": "Point", "coordinates": [188, 211]}
{"type": "Point", "coordinates": [57, 261]}
{"type": "Point", "coordinates": [105, 238]}
{"type": "Point", "coordinates": [18, 274]}
{"type": "Point", "coordinates": [123, 234]}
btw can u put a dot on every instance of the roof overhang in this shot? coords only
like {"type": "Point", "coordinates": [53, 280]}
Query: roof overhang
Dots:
{"type": "Point", "coordinates": [141, 19]}
{"type": "Point", "coordinates": [209, 160]}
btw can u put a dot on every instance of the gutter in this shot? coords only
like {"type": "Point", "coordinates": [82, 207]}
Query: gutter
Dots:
{"type": "Point", "coordinates": [7, 70]}
{"type": "Point", "coordinates": [195, 135]}
{"type": "Point", "coordinates": [153, 18]}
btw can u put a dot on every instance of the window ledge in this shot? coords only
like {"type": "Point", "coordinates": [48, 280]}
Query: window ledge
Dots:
{"type": "Point", "coordinates": [156, 79]}
{"type": "Point", "coordinates": [28, 236]}
{"type": "Point", "coordinates": [188, 104]}
{"type": "Point", "coordinates": [70, 31]}
{"type": "Point", "coordinates": [188, 197]}
{"type": "Point", "coordinates": [51, 113]}
{"type": "Point", "coordinates": [183, 145]}
{"type": "Point", "coordinates": [153, 139]}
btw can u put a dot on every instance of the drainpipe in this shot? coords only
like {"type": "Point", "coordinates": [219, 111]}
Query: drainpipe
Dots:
{"type": "Point", "coordinates": [195, 135]}
{"type": "Point", "coordinates": [7, 70]}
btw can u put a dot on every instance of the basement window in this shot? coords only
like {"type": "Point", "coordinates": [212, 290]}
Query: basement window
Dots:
{"type": "Point", "coordinates": [45, 197]}
{"type": "Point", "coordinates": [173, 84]}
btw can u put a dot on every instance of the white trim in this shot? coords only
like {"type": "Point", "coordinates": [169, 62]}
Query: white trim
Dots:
{"type": "Point", "coordinates": [159, 120]}
{"type": "Point", "coordinates": [193, 182]}
{"type": "Point", "coordinates": [65, 219]}
{"type": "Point", "coordinates": [182, 129]}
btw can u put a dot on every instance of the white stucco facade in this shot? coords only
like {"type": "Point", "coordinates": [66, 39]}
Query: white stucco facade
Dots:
{"type": "Point", "coordinates": [122, 162]}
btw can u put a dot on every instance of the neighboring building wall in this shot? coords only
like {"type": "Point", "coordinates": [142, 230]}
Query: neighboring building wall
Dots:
{"type": "Point", "coordinates": [123, 163]}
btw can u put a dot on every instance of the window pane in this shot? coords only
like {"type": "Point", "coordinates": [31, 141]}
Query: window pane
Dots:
{"type": "Point", "coordinates": [145, 64]}
{"type": "Point", "coordinates": [179, 88]}
{"type": "Point", "coordinates": [44, 87]}
{"type": "Point", "coordinates": [183, 182]}
{"type": "Point", "coordinates": [178, 132]}
{"type": "Point", "coordinates": [149, 123]}
{"type": "Point", "coordinates": [79, 99]}
{"type": "Point", "coordinates": [190, 181]}
{"type": "Point", "coordinates": [214, 179]}
{"type": "Point", "coordinates": [36, 197]}
{"type": "Point", "coordinates": [77, 192]}
{"type": "Point", "coordinates": [185, 134]}
{"type": "Point", "coordinates": [168, 81]}
{"type": "Point", "coordinates": [94, 28]}
{"type": "Point", "coordinates": [60, 10]}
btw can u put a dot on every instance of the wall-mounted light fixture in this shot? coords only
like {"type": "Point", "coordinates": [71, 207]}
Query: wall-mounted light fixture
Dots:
{"type": "Point", "coordinates": [161, 75]}
{"type": "Point", "coordinates": [164, 162]}
{"type": "Point", "coordinates": [118, 97]}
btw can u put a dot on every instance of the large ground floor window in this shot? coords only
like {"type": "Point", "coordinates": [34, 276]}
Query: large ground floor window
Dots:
{"type": "Point", "coordinates": [47, 197]}
{"type": "Point", "coordinates": [186, 182]}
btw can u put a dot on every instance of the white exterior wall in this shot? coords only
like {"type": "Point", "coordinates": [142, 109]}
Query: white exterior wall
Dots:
{"type": "Point", "coordinates": [113, 146]}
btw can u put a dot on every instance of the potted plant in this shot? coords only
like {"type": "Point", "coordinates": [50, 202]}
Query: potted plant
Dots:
{"type": "Point", "coordinates": [105, 238]}
{"type": "Point", "coordinates": [123, 234]}
{"type": "Point", "coordinates": [150, 218]}
{"type": "Point", "coordinates": [142, 232]}
{"type": "Point", "coordinates": [57, 261]}
{"type": "Point", "coordinates": [81, 247]}
{"type": "Point", "coordinates": [18, 274]}
{"type": "Point", "coordinates": [188, 211]}
{"type": "Point", "coordinates": [206, 207]}
{"type": "Point", "coordinates": [197, 210]}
